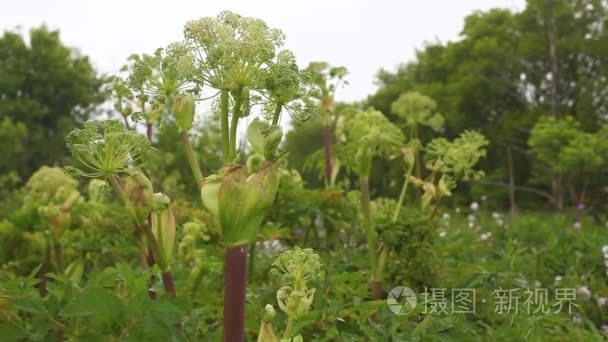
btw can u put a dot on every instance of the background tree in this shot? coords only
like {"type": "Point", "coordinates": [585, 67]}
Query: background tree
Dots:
{"type": "Point", "coordinates": [47, 88]}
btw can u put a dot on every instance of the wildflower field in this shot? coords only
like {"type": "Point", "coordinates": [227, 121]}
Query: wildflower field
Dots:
{"type": "Point", "coordinates": [218, 189]}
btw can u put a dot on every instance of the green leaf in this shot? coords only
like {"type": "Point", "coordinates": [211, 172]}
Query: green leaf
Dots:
{"type": "Point", "coordinates": [94, 301]}
{"type": "Point", "coordinates": [29, 305]}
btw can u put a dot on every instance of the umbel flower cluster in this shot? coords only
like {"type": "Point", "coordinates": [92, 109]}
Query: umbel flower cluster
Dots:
{"type": "Point", "coordinates": [295, 269]}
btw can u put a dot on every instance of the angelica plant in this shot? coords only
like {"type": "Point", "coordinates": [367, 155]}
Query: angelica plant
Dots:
{"type": "Point", "coordinates": [110, 151]}
{"type": "Point", "coordinates": [328, 79]}
{"type": "Point", "coordinates": [371, 135]}
{"type": "Point", "coordinates": [415, 110]}
{"type": "Point", "coordinates": [54, 194]}
{"type": "Point", "coordinates": [296, 268]}
{"type": "Point", "coordinates": [239, 58]}
{"type": "Point", "coordinates": [449, 163]}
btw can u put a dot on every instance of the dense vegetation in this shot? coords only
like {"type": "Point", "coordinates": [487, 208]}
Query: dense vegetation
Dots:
{"type": "Point", "coordinates": [479, 166]}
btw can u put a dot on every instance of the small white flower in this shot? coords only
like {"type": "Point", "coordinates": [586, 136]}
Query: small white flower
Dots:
{"type": "Point", "coordinates": [558, 280]}
{"type": "Point", "coordinates": [471, 218]}
{"type": "Point", "coordinates": [495, 215]}
{"type": "Point", "coordinates": [446, 216]}
{"type": "Point", "coordinates": [485, 236]}
{"type": "Point", "coordinates": [318, 221]}
{"type": "Point", "coordinates": [584, 292]}
{"type": "Point", "coordinates": [442, 233]}
{"type": "Point", "coordinates": [605, 328]}
{"type": "Point", "coordinates": [500, 222]}
{"type": "Point", "coordinates": [606, 224]}
{"type": "Point", "coordinates": [458, 210]}
{"type": "Point", "coordinates": [576, 226]}
{"type": "Point", "coordinates": [577, 320]}
{"type": "Point", "coordinates": [521, 281]}
{"type": "Point", "coordinates": [484, 197]}
{"type": "Point", "coordinates": [471, 225]}
{"type": "Point", "coordinates": [605, 250]}
{"type": "Point", "coordinates": [601, 301]}
{"type": "Point", "coordinates": [474, 206]}
{"type": "Point", "coordinates": [537, 284]}
{"type": "Point", "coordinates": [271, 247]}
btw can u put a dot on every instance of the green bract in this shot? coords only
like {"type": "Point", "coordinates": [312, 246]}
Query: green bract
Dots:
{"type": "Point", "coordinates": [264, 138]}
{"type": "Point", "coordinates": [238, 202]}
{"type": "Point", "coordinates": [184, 109]}
{"type": "Point", "coordinates": [138, 190]}
{"type": "Point", "coordinates": [163, 228]}
{"type": "Point", "coordinates": [102, 149]}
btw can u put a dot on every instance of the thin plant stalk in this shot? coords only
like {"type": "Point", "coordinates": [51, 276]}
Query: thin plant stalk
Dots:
{"type": "Point", "coordinates": [288, 329]}
{"type": "Point", "coordinates": [224, 102]}
{"type": "Point", "coordinates": [372, 239]}
{"type": "Point", "coordinates": [236, 113]}
{"type": "Point", "coordinates": [152, 243]}
{"type": "Point", "coordinates": [194, 166]}
{"type": "Point", "coordinates": [277, 114]}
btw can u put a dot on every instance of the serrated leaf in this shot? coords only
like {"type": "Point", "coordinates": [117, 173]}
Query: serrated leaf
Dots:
{"type": "Point", "coordinates": [95, 301]}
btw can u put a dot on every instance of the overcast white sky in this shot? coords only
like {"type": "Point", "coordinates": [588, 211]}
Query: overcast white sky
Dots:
{"type": "Point", "coordinates": [362, 35]}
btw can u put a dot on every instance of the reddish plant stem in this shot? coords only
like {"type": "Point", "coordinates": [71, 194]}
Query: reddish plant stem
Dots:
{"type": "Point", "coordinates": [235, 286]}
{"type": "Point", "coordinates": [150, 261]}
{"type": "Point", "coordinates": [377, 292]}
{"type": "Point", "coordinates": [327, 152]}
{"type": "Point", "coordinates": [169, 284]}
{"type": "Point", "coordinates": [149, 127]}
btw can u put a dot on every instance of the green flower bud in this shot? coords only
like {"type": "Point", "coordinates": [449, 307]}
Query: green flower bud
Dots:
{"type": "Point", "coordinates": [244, 201]}
{"type": "Point", "coordinates": [295, 303]}
{"type": "Point", "coordinates": [255, 135]}
{"type": "Point", "coordinates": [254, 163]}
{"type": "Point", "coordinates": [160, 202]}
{"type": "Point", "coordinates": [139, 194]}
{"type": "Point", "coordinates": [272, 141]}
{"type": "Point", "coordinates": [264, 139]}
{"type": "Point", "coordinates": [267, 333]}
{"type": "Point", "coordinates": [210, 193]}
{"type": "Point", "coordinates": [183, 109]}
{"type": "Point", "coordinates": [239, 203]}
{"type": "Point", "coordinates": [269, 313]}
{"type": "Point", "coordinates": [163, 228]}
